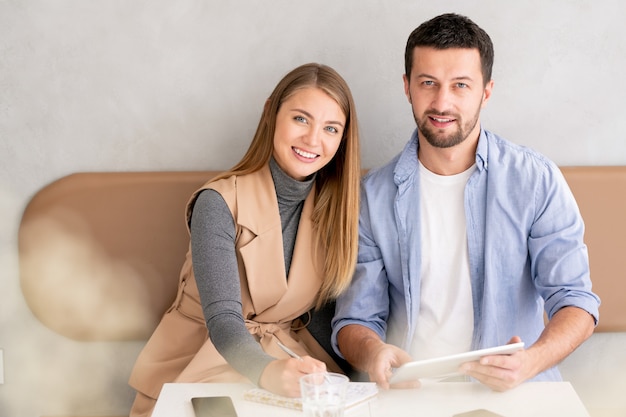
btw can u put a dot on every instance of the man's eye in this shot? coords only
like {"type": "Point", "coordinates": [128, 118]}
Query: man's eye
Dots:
{"type": "Point", "coordinates": [461, 85]}
{"type": "Point", "coordinates": [429, 82]}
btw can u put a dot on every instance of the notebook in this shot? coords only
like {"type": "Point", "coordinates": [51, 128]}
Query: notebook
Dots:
{"type": "Point", "coordinates": [358, 392]}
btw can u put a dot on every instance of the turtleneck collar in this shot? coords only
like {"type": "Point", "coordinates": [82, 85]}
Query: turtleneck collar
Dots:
{"type": "Point", "coordinates": [289, 189]}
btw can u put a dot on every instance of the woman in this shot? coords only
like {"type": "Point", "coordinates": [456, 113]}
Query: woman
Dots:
{"type": "Point", "coordinates": [271, 239]}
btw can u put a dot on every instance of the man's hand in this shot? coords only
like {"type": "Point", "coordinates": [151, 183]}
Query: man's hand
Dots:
{"type": "Point", "coordinates": [568, 328]}
{"type": "Point", "coordinates": [367, 352]}
{"type": "Point", "coordinates": [384, 359]}
{"type": "Point", "coordinates": [502, 372]}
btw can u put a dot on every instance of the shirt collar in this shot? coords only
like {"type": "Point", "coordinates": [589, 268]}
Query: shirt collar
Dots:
{"type": "Point", "coordinates": [482, 151]}
{"type": "Point", "coordinates": [407, 161]}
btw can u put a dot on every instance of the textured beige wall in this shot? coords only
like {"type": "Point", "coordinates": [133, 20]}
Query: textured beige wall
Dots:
{"type": "Point", "coordinates": [178, 85]}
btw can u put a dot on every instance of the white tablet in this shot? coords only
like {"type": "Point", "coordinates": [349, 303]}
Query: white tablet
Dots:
{"type": "Point", "coordinates": [446, 366]}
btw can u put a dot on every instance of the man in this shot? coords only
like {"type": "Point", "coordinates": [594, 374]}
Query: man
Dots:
{"type": "Point", "coordinates": [464, 238]}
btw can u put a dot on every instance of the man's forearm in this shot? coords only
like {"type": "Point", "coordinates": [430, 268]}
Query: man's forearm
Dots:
{"type": "Point", "coordinates": [357, 345]}
{"type": "Point", "coordinates": [568, 328]}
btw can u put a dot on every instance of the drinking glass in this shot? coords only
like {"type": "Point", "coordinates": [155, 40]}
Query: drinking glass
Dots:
{"type": "Point", "coordinates": [324, 394]}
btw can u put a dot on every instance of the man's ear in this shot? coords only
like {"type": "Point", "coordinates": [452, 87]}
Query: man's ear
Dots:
{"type": "Point", "coordinates": [487, 93]}
{"type": "Point", "coordinates": [407, 92]}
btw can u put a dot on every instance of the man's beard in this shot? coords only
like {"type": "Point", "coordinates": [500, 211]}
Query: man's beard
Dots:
{"type": "Point", "coordinates": [440, 140]}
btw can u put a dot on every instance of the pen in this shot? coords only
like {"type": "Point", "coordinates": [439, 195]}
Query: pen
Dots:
{"type": "Point", "coordinates": [296, 356]}
{"type": "Point", "coordinates": [288, 351]}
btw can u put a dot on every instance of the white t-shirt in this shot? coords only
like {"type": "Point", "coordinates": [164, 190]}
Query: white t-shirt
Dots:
{"type": "Point", "coordinates": [446, 318]}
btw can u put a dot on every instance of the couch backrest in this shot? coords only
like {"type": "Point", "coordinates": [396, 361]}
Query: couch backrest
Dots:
{"type": "Point", "coordinates": [100, 253]}
{"type": "Point", "coordinates": [601, 195]}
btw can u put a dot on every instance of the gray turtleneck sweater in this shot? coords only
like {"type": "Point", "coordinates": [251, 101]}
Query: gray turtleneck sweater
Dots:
{"type": "Point", "coordinates": [217, 275]}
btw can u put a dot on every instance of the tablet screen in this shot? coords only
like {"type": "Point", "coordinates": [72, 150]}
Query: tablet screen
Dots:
{"type": "Point", "coordinates": [447, 365]}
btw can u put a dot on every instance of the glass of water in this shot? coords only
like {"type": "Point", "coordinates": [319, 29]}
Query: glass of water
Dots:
{"type": "Point", "coordinates": [324, 394]}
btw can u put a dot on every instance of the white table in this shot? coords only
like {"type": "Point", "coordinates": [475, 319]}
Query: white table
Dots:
{"type": "Point", "coordinates": [532, 399]}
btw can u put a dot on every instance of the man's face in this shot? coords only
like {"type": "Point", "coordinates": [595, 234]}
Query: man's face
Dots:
{"type": "Point", "coordinates": [446, 92]}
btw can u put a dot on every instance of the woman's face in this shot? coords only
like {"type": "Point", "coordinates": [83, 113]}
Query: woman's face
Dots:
{"type": "Point", "coordinates": [309, 128]}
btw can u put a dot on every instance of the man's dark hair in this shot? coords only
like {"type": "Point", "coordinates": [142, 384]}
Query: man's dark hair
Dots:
{"type": "Point", "coordinates": [451, 30]}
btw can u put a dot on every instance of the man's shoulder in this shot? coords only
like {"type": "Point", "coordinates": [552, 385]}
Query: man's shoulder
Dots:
{"type": "Point", "coordinates": [381, 174]}
{"type": "Point", "coordinates": [504, 153]}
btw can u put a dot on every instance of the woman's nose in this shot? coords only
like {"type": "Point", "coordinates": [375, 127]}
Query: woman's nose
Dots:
{"type": "Point", "coordinates": [313, 136]}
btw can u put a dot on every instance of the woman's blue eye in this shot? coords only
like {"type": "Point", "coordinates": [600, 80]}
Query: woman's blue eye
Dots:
{"type": "Point", "coordinates": [332, 129]}
{"type": "Point", "coordinates": [300, 119]}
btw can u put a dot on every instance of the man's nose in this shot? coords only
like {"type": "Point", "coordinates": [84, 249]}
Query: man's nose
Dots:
{"type": "Point", "coordinates": [441, 100]}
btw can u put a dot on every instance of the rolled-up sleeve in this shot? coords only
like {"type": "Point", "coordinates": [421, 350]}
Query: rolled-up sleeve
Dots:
{"type": "Point", "coordinates": [559, 258]}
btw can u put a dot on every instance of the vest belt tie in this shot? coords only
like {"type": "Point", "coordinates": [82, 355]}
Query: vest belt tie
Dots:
{"type": "Point", "coordinates": [269, 333]}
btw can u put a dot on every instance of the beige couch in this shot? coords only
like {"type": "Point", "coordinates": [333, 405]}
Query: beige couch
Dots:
{"type": "Point", "coordinates": [100, 252]}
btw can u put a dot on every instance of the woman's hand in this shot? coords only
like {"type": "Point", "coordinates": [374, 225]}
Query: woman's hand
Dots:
{"type": "Point", "coordinates": [282, 376]}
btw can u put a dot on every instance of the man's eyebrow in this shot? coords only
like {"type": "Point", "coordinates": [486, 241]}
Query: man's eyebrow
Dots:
{"type": "Point", "coordinates": [310, 116]}
{"type": "Point", "coordinates": [459, 78]}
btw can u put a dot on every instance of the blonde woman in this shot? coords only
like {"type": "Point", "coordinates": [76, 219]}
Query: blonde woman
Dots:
{"type": "Point", "coordinates": [273, 242]}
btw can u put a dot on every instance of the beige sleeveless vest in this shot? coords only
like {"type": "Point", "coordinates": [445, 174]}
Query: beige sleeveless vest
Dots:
{"type": "Point", "coordinates": [180, 351]}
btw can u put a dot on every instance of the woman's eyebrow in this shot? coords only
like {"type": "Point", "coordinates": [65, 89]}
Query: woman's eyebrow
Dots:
{"type": "Point", "coordinates": [310, 116]}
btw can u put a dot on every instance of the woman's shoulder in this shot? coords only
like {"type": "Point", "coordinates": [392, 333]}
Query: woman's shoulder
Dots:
{"type": "Point", "coordinates": [221, 185]}
{"type": "Point", "coordinates": [212, 192]}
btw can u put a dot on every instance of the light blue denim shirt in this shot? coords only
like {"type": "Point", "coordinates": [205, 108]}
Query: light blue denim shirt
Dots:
{"type": "Point", "coordinates": [525, 242]}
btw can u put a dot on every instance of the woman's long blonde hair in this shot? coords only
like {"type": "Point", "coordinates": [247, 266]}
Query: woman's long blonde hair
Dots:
{"type": "Point", "coordinates": [336, 210]}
